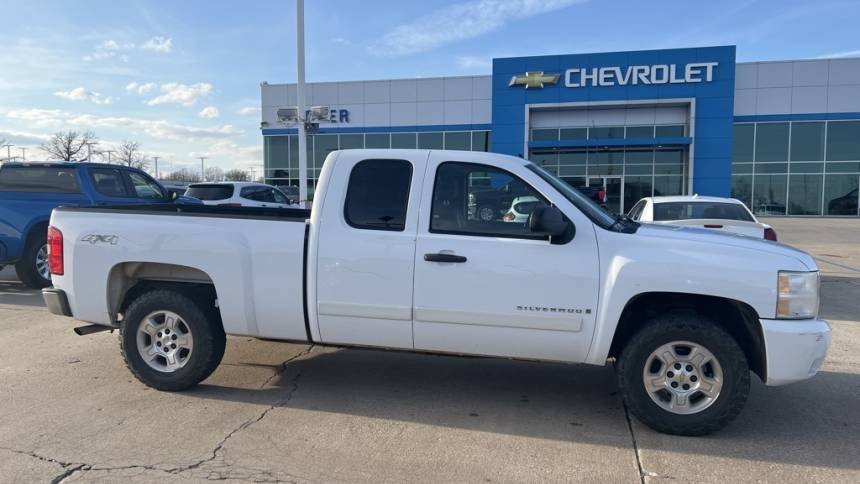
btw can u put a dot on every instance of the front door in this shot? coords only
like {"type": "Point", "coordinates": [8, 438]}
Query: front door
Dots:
{"type": "Point", "coordinates": [490, 286]}
{"type": "Point", "coordinates": [614, 191]}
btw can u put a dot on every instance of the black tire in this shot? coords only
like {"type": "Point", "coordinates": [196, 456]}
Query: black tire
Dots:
{"type": "Point", "coordinates": [671, 328]}
{"type": "Point", "coordinates": [204, 325]}
{"type": "Point", "coordinates": [26, 268]}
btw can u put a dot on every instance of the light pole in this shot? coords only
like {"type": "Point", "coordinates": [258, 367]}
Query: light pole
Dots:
{"type": "Point", "coordinates": [109, 152]}
{"type": "Point", "coordinates": [300, 95]}
{"type": "Point", "coordinates": [202, 172]}
{"type": "Point", "coordinates": [23, 154]}
{"type": "Point", "coordinates": [156, 166]}
{"type": "Point", "coordinates": [9, 151]}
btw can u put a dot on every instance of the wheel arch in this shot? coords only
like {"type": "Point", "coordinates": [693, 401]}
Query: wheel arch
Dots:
{"type": "Point", "coordinates": [737, 318]}
{"type": "Point", "coordinates": [127, 280]}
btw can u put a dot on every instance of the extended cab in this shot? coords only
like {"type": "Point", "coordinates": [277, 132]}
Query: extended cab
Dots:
{"type": "Point", "coordinates": [29, 191]}
{"type": "Point", "coordinates": [393, 256]}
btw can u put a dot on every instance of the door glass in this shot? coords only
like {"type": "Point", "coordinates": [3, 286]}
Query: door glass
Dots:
{"type": "Point", "coordinates": [108, 182]}
{"type": "Point", "coordinates": [378, 195]}
{"type": "Point", "coordinates": [474, 199]}
{"type": "Point", "coordinates": [145, 187]}
{"type": "Point", "coordinates": [257, 194]}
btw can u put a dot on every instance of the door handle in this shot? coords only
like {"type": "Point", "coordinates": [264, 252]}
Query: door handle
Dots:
{"type": "Point", "coordinates": [444, 258]}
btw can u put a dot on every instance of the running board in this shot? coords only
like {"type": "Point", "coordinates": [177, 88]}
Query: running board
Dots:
{"type": "Point", "coordinates": [92, 328]}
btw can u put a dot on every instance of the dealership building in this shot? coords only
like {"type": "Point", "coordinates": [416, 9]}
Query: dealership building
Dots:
{"type": "Point", "coordinates": [784, 137]}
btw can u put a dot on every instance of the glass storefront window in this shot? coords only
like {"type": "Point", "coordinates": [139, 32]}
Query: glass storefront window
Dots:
{"type": "Point", "coordinates": [668, 185]}
{"type": "Point", "coordinates": [639, 157]}
{"type": "Point", "coordinates": [458, 140]}
{"type": "Point", "coordinates": [377, 140]}
{"type": "Point", "coordinates": [771, 168]}
{"type": "Point", "coordinates": [640, 132]}
{"type": "Point", "coordinates": [771, 142]}
{"type": "Point", "coordinates": [741, 168]}
{"type": "Point", "coordinates": [604, 157]}
{"type": "Point", "coordinates": [804, 194]}
{"type": "Point", "coordinates": [546, 160]}
{"type": "Point", "coordinates": [806, 167]}
{"type": "Point", "coordinates": [571, 170]}
{"type": "Point", "coordinates": [403, 140]}
{"type": "Point", "coordinates": [807, 141]}
{"type": "Point", "coordinates": [574, 133]}
{"type": "Point", "coordinates": [430, 141]}
{"type": "Point", "coordinates": [544, 134]}
{"type": "Point", "coordinates": [769, 194]}
{"type": "Point", "coordinates": [843, 140]}
{"type": "Point", "coordinates": [323, 145]}
{"type": "Point", "coordinates": [673, 131]}
{"type": "Point", "coordinates": [351, 141]}
{"type": "Point", "coordinates": [638, 169]}
{"type": "Point", "coordinates": [840, 194]}
{"type": "Point", "coordinates": [744, 142]}
{"type": "Point", "coordinates": [603, 132]}
{"type": "Point", "coordinates": [843, 167]}
{"type": "Point", "coordinates": [635, 189]}
{"type": "Point", "coordinates": [276, 152]}
{"type": "Point", "coordinates": [480, 141]}
{"type": "Point", "coordinates": [742, 189]}
{"type": "Point", "coordinates": [572, 158]}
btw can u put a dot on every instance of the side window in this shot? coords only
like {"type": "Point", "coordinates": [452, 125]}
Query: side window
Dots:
{"type": "Point", "coordinates": [636, 211]}
{"type": "Point", "coordinates": [257, 194]}
{"type": "Point", "coordinates": [145, 187]}
{"type": "Point", "coordinates": [278, 196]}
{"type": "Point", "coordinates": [39, 179]}
{"type": "Point", "coordinates": [473, 199]}
{"type": "Point", "coordinates": [378, 195]}
{"type": "Point", "coordinates": [108, 182]}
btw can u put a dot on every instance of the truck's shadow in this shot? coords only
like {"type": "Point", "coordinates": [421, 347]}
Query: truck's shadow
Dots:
{"type": "Point", "coordinates": [814, 423]}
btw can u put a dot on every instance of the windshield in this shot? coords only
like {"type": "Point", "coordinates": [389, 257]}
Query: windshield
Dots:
{"type": "Point", "coordinates": [210, 192]}
{"type": "Point", "coordinates": [700, 210]}
{"type": "Point", "coordinates": [589, 207]}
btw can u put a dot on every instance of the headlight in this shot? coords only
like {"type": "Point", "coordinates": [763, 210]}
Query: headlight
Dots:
{"type": "Point", "coordinates": [797, 295]}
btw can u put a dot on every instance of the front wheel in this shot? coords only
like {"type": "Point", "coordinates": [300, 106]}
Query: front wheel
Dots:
{"type": "Point", "coordinates": [169, 342]}
{"type": "Point", "coordinates": [683, 376]}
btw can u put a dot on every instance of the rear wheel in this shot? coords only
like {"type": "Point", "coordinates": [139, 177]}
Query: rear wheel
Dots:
{"type": "Point", "coordinates": [32, 269]}
{"type": "Point", "coordinates": [683, 375]}
{"type": "Point", "coordinates": [169, 342]}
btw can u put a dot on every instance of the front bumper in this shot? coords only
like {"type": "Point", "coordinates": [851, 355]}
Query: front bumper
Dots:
{"type": "Point", "coordinates": [56, 301]}
{"type": "Point", "coordinates": [795, 349]}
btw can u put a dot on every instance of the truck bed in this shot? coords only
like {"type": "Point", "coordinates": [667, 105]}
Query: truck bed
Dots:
{"type": "Point", "coordinates": [254, 257]}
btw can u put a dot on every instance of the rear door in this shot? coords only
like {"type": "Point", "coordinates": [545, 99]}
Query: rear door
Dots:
{"type": "Point", "coordinates": [110, 187]}
{"type": "Point", "coordinates": [492, 287]}
{"type": "Point", "coordinates": [256, 196]}
{"type": "Point", "coordinates": [366, 248]}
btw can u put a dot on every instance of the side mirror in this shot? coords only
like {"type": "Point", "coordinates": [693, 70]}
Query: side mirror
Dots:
{"type": "Point", "coordinates": [550, 221]}
{"type": "Point", "coordinates": [173, 196]}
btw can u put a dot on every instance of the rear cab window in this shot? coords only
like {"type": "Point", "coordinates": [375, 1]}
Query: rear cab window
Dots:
{"type": "Point", "coordinates": [377, 196]}
{"type": "Point", "coordinates": [210, 192]}
{"type": "Point", "coordinates": [700, 210]}
{"type": "Point", "coordinates": [39, 179]}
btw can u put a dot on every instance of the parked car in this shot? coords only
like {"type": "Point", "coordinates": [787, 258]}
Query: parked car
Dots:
{"type": "Point", "coordinates": [716, 213]}
{"type": "Point", "coordinates": [29, 191]}
{"type": "Point", "coordinates": [844, 205]}
{"type": "Point", "coordinates": [239, 194]}
{"type": "Point", "coordinates": [521, 208]}
{"type": "Point", "coordinates": [493, 203]}
{"type": "Point", "coordinates": [291, 192]}
{"type": "Point", "coordinates": [389, 258]}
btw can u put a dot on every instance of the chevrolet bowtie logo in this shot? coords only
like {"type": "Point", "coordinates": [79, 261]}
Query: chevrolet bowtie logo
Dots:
{"type": "Point", "coordinates": [534, 80]}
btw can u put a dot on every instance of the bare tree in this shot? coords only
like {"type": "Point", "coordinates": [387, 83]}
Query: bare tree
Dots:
{"type": "Point", "coordinates": [68, 145]}
{"type": "Point", "coordinates": [213, 173]}
{"type": "Point", "coordinates": [129, 154]}
{"type": "Point", "coordinates": [237, 175]}
{"type": "Point", "coordinates": [183, 175]}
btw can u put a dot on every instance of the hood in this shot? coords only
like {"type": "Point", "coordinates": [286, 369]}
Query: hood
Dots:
{"type": "Point", "coordinates": [725, 239]}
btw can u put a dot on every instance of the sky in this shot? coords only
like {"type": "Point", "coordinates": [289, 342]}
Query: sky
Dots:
{"type": "Point", "coordinates": [182, 78]}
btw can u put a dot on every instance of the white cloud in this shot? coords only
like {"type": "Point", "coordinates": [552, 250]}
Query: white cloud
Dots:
{"type": "Point", "coordinates": [82, 94]}
{"type": "Point", "coordinates": [108, 49]}
{"type": "Point", "coordinates": [837, 55]}
{"type": "Point", "coordinates": [209, 112]}
{"type": "Point", "coordinates": [184, 94]}
{"type": "Point", "coordinates": [140, 88]}
{"type": "Point", "coordinates": [158, 44]}
{"type": "Point", "coordinates": [21, 138]}
{"type": "Point", "coordinates": [473, 62]}
{"type": "Point", "coordinates": [156, 128]}
{"type": "Point", "coordinates": [249, 110]}
{"type": "Point", "coordinates": [341, 41]}
{"type": "Point", "coordinates": [459, 22]}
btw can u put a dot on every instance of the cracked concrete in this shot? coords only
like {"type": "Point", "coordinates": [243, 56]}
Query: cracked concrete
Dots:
{"type": "Point", "coordinates": [275, 412]}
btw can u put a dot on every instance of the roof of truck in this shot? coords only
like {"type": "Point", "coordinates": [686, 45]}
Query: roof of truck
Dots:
{"type": "Point", "coordinates": [60, 164]}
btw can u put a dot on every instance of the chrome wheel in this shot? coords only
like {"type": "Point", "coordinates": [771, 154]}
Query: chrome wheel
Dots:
{"type": "Point", "coordinates": [486, 214]}
{"type": "Point", "coordinates": [42, 262]}
{"type": "Point", "coordinates": [683, 377]}
{"type": "Point", "coordinates": [164, 341]}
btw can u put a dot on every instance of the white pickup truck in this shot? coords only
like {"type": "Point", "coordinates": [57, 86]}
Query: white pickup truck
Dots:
{"type": "Point", "coordinates": [393, 255]}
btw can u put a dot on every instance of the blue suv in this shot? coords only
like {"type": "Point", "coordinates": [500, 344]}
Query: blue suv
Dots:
{"type": "Point", "coordinates": [30, 191]}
